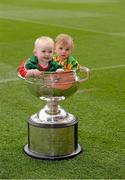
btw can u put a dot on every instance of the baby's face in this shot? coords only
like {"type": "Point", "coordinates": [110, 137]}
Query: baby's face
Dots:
{"type": "Point", "coordinates": [63, 51]}
{"type": "Point", "coordinates": [44, 54]}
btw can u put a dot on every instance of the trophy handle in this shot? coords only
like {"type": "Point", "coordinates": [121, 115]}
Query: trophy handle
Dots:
{"type": "Point", "coordinates": [87, 72]}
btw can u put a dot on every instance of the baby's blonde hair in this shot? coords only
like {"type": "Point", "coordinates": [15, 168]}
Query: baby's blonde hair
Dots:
{"type": "Point", "coordinates": [43, 41]}
{"type": "Point", "coordinates": [64, 39]}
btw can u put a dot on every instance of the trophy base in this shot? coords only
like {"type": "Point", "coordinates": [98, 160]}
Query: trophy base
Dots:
{"type": "Point", "coordinates": [37, 155]}
{"type": "Point", "coordinates": [52, 136]}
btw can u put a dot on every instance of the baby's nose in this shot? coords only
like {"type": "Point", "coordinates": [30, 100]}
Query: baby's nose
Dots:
{"type": "Point", "coordinates": [64, 51]}
{"type": "Point", "coordinates": [47, 53]}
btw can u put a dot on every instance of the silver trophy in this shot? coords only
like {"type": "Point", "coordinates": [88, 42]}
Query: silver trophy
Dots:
{"type": "Point", "coordinates": [53, 132]}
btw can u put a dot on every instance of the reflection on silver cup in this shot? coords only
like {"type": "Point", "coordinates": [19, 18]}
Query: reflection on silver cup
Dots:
{"type": "Point", "coordinates": [53, 132]}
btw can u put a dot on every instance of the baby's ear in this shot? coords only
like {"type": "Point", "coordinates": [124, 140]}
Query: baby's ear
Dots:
{"type": "Point", "coordinates": [34, 52]}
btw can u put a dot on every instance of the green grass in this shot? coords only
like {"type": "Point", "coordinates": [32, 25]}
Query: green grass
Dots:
{"type": "Point", "coordinates": [98, 29]}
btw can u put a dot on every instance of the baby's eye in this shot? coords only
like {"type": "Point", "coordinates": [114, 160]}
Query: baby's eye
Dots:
{"type": "Point", "coordinates": [67, 49]}
{"type": "Point", "coordinates": [43, 51]}
{"type": "Point", "coordinates": [60, 48]}
{"type": "Point", "coordinates": [50, 51]}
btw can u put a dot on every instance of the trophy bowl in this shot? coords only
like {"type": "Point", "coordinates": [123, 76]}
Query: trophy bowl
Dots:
{"type": "Point", "coordinates": [53, 84]}
{"type": "Point", "coordinates": [53, 132]}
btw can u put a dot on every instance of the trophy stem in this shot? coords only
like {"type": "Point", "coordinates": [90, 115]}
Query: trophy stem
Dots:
{"type": "Point", "coordinates": [52, 104]}
{"type": "Point", "coordinates": [52, 107]}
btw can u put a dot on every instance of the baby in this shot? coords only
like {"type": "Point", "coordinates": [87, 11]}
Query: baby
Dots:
{"type": "Point", "coordinates": [63, 49]}
{"type": "Point", "coordinates": [41, 60]}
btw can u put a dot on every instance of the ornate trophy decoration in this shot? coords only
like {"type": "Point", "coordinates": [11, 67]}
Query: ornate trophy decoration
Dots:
{"type": "Point", "coordinates": [53, 132]}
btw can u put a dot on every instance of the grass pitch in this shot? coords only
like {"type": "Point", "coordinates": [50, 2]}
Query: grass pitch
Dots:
{"type": "Point", "coordinates": [98, 29]}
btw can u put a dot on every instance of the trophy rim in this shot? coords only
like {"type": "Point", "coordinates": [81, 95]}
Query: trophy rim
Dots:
{"type": "Point", "coordinates": [44, 72]}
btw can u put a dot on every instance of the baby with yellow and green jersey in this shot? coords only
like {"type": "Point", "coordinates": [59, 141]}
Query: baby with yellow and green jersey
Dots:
{"type": "Point", "coordinates": [63, 49]}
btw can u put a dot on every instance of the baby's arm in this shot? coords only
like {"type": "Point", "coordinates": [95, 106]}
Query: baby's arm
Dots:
{"type": "Point", "coordinates": [60, 70]}
{"type": "Point", "coordinates": [34, 72]}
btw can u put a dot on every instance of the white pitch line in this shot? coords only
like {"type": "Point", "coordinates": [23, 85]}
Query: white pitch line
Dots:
{"type": "Point", "coordinates": [108, 67]}
{"type": "Point", "coordinates": [8, 80]}
{"type": "Point", "coordinates": [63, 26]}
{"type": "Point", "coordinates": [86, 90]}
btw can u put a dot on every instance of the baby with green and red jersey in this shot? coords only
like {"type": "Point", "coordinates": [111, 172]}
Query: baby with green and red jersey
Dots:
{"type": "Point", "coordinates": [63, 49]}
{"type": "Point", "coordinates": [41, 60]}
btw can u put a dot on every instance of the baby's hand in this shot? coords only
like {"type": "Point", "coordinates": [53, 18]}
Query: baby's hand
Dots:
{"type": "Point", "coordinates": [60, 70]}
{"type": "Point", "coordinates": [34, 72]}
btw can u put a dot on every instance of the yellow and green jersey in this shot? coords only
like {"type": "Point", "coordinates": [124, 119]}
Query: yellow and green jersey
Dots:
{"type": "Point", "coordinates": [69, 64]}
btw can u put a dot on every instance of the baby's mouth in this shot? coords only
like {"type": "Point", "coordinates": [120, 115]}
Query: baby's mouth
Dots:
{"type": "Point", "coordinates": [63, 55]}
{"type": "Point", "coordinates": [47, 58]}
